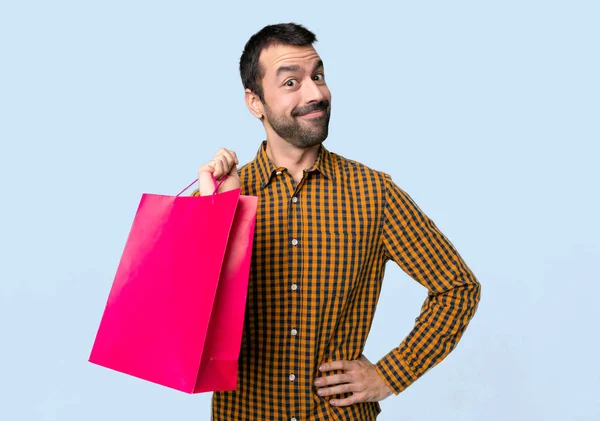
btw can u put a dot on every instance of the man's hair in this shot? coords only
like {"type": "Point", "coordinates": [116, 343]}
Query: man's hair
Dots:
{"type": "Point", "coordinates": [280, 34]}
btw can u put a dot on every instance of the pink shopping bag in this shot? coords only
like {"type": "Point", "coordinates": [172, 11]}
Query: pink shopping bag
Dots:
{"type": "Point", "coordinates": [175, 312]}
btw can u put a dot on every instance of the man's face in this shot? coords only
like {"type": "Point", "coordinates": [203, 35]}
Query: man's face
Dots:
{"type": "Point", "coordinates": [296, 98]}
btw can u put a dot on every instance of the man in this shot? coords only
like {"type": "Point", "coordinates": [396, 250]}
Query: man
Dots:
{"type": "Point", "coordinates": [326, 226]}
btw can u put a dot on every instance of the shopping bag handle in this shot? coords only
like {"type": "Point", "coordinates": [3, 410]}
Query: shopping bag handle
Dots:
{"type": "Point", "coordinates": [217, 185]}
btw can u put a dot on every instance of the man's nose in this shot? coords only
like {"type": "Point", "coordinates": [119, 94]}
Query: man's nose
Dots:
{"type": "Point", "coordinates": [312, 92]}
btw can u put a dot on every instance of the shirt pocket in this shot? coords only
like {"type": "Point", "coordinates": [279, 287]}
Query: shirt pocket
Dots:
{"type": "Point", "coordinates": [342, 261]}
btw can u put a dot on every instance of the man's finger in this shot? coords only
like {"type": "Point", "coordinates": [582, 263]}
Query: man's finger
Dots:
{"type": "Point", "coordinates": [224, 164]}
{"type": "Point", "coordinates": [221, 151]}
{"type": "Point", "coordinates": [337, 365]}
{"type": "Point", "coordinates": [233, 171]}
{"type": "Point", "coordinates": [225, 158]}
{"type": "Point", "coordinates": [333, 379]}
{"type": "Point", "coordinates": [207, 168]}
{"type": "Point", "coordinates": [350, 400]}
{"type": "Point", "coordinates": [219, 169]}
{"type": "Point", "coordinates": [337, 390]}
{"type": "Point", "coordinates": [230, 156]}
{"type": "Point", "coordinates": [228, 163]}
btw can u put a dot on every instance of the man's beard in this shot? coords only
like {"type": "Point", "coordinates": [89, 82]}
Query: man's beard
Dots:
{"type": "Point", "coordinates": [302, 134]}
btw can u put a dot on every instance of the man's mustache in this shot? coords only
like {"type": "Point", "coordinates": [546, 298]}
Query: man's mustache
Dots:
{"type": "Point", "coordinates": [307, 109]}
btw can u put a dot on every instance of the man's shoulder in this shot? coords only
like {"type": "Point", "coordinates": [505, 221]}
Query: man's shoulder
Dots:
{"type": "Point", "coordinates": [353, 168]}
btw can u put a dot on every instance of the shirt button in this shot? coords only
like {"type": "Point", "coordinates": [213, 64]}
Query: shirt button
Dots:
{"type": "Point", "coordinates": [293, 419]}
{"type": "Point", "coordinates": [292, 377]}
{"type": "Point", "coordinates": [294, 332]}
{"type": "Point", "coordinates": [294, 242]}
{"type": "Point", "coordinates": [278, 173]}
{"type": "Point", "coordinates": [295, 199]}
{"type": "Point", "coordinates": [294, 287]}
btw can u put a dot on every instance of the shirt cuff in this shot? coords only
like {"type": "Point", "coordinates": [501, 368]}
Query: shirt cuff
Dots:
{"type": "Point", "coordinates": [396, 372]}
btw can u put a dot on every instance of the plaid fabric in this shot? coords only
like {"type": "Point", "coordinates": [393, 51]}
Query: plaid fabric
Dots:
{"type": "Point", "coordinates": [319, 256]}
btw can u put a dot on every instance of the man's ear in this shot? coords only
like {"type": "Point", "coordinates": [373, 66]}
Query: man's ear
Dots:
{"type": "Point", "coordinates": [254, 104]}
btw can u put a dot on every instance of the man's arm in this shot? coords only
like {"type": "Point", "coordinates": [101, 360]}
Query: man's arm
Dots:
{"type": "Point", "coordinates": [414, 242]}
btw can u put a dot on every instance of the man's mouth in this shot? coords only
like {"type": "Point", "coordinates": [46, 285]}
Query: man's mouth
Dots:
{"type": "Point", "coordinates": [313, 114]}
{"type": "Point", "coordinates": [312, 111]}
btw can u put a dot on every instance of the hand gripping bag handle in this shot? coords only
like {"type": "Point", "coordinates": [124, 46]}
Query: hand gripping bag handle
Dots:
{"type": "Point", "coordinates": [217, 185]}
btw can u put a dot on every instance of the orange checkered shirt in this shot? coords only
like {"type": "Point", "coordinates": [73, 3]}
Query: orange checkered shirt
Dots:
{"type": "Point", "coordinates": [319, 255]}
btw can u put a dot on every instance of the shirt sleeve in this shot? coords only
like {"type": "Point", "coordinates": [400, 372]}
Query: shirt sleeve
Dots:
{"type": "Point", "coordinates": [413, 241]}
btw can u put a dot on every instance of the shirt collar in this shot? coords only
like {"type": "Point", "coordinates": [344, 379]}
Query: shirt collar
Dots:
{"type": "Point", "coordinates": [267, 169]}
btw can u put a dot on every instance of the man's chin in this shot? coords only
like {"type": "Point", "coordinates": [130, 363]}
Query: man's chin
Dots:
{"type": "Point", "coordinates": [316, 128]}
{"type": "Point", "coordinates": [314, 141]}
{"type": "Point", "coordinates": [307, 142]}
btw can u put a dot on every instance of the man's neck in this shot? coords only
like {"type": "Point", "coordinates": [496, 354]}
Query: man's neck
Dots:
{"type": "Point", "coordinates": [286, 155]}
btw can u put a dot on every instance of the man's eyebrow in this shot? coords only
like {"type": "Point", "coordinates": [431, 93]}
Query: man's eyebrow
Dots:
{"type": "Point", "coordinates": [318, 65]}
{"type": "Point", "coordinates": [296, 68]}
{"type": "Point", "coordinates": [284, 69]}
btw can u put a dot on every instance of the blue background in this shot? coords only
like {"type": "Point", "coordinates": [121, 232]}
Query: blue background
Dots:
{"type": "Point", "coordinates": [487, 113]}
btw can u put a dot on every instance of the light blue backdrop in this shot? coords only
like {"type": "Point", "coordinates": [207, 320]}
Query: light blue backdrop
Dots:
{"type": "Point", "coordinates": [487, 113]}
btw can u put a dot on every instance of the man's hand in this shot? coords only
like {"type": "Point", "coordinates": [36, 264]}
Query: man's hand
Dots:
{"type": "Point", "coordinates": [359, 377]}
{"type": "Point", "coordinates": [223, 163]}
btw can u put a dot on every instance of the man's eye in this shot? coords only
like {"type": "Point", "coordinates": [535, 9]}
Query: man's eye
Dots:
{"type": "Point", "coordinates": [319, 76]}
{"type": "Point", "coordinates": [290, 83]}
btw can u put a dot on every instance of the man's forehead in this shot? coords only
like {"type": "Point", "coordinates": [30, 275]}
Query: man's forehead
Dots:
{"type": "Point", "coordinates": [275, 56]}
